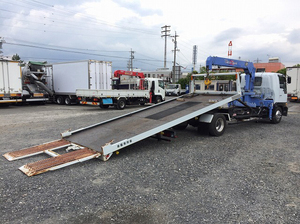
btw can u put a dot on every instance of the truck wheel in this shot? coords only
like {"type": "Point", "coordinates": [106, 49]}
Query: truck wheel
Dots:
{"type": "Point", "coordinates": [68, 100]}
{"type": "Point", "coordinates": [218, 125]}
{"type": "Point", "coordinates": [158, 99]}
{"type": "Point", "coordinates": [277, 115]}
{"type": "Point", "coordinates": [60, 100]}
{"type": "Point", "coordinates": [121, 104]}
{"type": "Point", "coordinates": [181, 126]}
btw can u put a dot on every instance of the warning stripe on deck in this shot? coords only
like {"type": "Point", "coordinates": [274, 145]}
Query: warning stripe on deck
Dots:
{"type": "Point", "coordinates": [60, 161]}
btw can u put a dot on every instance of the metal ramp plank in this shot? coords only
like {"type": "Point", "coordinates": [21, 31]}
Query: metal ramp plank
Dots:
{"type": "Point", "coordinates": [38, 149]}
{"type": "Point", "coordinates": [59, 161]}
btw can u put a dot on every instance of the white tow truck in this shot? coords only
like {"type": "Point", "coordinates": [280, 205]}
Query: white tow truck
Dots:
{"type": "Point", "coordinates": [152, 91]}
{"type": "Point", "coordinates": [261, 96]}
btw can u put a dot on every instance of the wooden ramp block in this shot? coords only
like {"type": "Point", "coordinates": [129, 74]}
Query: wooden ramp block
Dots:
{"type": "Point", "coordinates": [38, 149]}
{"type": "Point", "coordinates": [58, 162]}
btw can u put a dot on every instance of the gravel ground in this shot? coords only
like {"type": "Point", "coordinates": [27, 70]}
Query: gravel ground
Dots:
{"type": "Point", "coordinates": [251, 174]}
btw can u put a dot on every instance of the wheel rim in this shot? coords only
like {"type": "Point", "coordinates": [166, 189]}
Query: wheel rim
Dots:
{"type": "Point", "coordinates": [67, 101]}
{"type": "Point", "coordinates": [122, 104]}
{"type": "Point", "coordinates": [278, 115]}
{"type": "Point", "coordinates": [220, 124]}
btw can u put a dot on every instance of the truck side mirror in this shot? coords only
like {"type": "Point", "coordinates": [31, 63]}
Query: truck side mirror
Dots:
{"type": "Point", "coordinates": [289, 79]}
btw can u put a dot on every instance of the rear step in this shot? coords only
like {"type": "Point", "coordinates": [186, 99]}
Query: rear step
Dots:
{"type": "Point", "coordinates": [59, 161]}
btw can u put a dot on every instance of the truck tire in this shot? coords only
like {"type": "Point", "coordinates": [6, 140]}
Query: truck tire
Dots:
{"type": "Point", "coordinates": [121, 104]}
{"type": "Point", "coordinates": [158, 99]}
{"type": "Point", "coordinates": [277, 115]}
{"type": "Point", "coordinates": [60, 100]}
{"type": "Point", "coordinates": [68, 100]}
{"type": "Point", "coordinates": [218, 125]}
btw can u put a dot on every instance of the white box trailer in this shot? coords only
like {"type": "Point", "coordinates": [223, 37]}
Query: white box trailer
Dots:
{"type": "Point", "coordinates": [10, 82]}
{"type": "Point", "coordinates": [293, 88]}
{"type": "Point", "coordinates": [66, 77]}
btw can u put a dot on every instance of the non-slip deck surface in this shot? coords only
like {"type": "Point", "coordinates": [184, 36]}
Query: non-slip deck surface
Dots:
{"type": "Point", "coordinates": [143, 121]}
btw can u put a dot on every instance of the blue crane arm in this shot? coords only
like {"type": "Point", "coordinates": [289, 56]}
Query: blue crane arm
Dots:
{"type": "Point", "coordinates": [248, 67]}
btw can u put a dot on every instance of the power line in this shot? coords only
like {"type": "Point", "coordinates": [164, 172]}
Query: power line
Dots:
{"type": "Point", "coordinates": [56, 49]}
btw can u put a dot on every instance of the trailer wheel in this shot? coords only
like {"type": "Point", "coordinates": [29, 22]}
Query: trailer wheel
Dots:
{"type": "Point", "coordinates": [60, 100]}
{"type": "Point", "coordinates": [277, 115]}
{"type": "Point", "coordinates": [68, 100]}
{"type": "Point", "coordinates": [121, 104]}
{"type": "Point", "coordinates": [218, 125]}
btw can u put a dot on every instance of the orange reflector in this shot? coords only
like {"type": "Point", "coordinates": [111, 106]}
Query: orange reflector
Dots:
{"type": "Point", "coordinates": [15, 94]}
{"type": "Point", "coordinates": [38, 94]}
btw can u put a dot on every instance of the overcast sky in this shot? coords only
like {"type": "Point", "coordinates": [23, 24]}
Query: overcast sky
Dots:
{"type": "Point", "coordinates": [57, 31]}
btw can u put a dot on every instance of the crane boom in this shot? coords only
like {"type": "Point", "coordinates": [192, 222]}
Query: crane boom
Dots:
{"type": "Point", "coordinates": [248, 67]}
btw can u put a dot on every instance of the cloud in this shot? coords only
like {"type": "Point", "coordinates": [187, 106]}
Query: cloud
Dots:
{"type": "Point", "coordinates": [136, 7]}
{"type": "Point", "coordinates": [294, 36]}
{"type": "Point", "coordinates": [229, 34]}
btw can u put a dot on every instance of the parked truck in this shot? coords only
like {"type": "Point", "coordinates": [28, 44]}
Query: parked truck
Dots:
{"type": "Point", "coordinates": [174, 90]}
{"type": "Point", "coordinates": [64, 78]}
{"type": "Point", "coordinates": [293, 88]}
{"type": "Point", "coordinates": [20, 83]}
{"type": "Point", "coordinates": [127, 80]}
{"type": "Point", "coordinates": [257, 96]}
{"type": "Point", "coordinates": [152, 91]}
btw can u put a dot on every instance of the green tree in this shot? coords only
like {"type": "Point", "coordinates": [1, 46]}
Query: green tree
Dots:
{"type": "Point", "coordinates": [184, 81]}
{"type": "Point", "coordinates": [202, 70]}
{"type": "Point", "coordinates": [16, 57]}
{"type": "Point", "coordinates": [282, 71]}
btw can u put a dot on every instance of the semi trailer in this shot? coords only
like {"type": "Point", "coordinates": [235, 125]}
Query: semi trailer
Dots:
{"type": "Point", "coordinates": [257, 96]}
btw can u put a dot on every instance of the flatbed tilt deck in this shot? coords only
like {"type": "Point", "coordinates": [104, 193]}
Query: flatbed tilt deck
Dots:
{"type": "Point", "coordinates": [199, 109]}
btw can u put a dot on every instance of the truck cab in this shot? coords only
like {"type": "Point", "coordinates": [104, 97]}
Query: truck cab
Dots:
{"type": "Point", "coordinates": [157, 89]}
{"type": "Point", "coordinates": [269, 86]}
{"type": "Point", "coordinates": [174, 90]}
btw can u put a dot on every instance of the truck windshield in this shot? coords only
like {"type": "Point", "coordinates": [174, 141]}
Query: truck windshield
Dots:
{"type": "Point", "coordinates": [171, 86]}
{"type": "Point", "coordinates": [161, 84]}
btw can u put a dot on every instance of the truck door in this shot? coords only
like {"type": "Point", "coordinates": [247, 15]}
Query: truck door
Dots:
{"type": "Point", "coordinates": [282, 89]}
{"type": "Point", "coordinates": [92, 75]}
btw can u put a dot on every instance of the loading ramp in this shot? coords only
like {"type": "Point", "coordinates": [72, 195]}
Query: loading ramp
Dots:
{"type": "Point", "coordinates": [102, 139]}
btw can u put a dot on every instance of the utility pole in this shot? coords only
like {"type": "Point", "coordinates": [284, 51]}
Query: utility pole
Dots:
{"type": "Point", "coordinates": [194, 56]}
{"type": "Point", "coordinates": [1, 42]}
{"type": "Point", "coordinates": [257, 60]}
{"type": "Point", "coordinates": [165, 34]}
{"type": "Point", "coordinates": [175, 49]}
{"type": "Point", "coordinates": [131, 58]}
{"type": "Point", "coordinates": [128, 65]}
